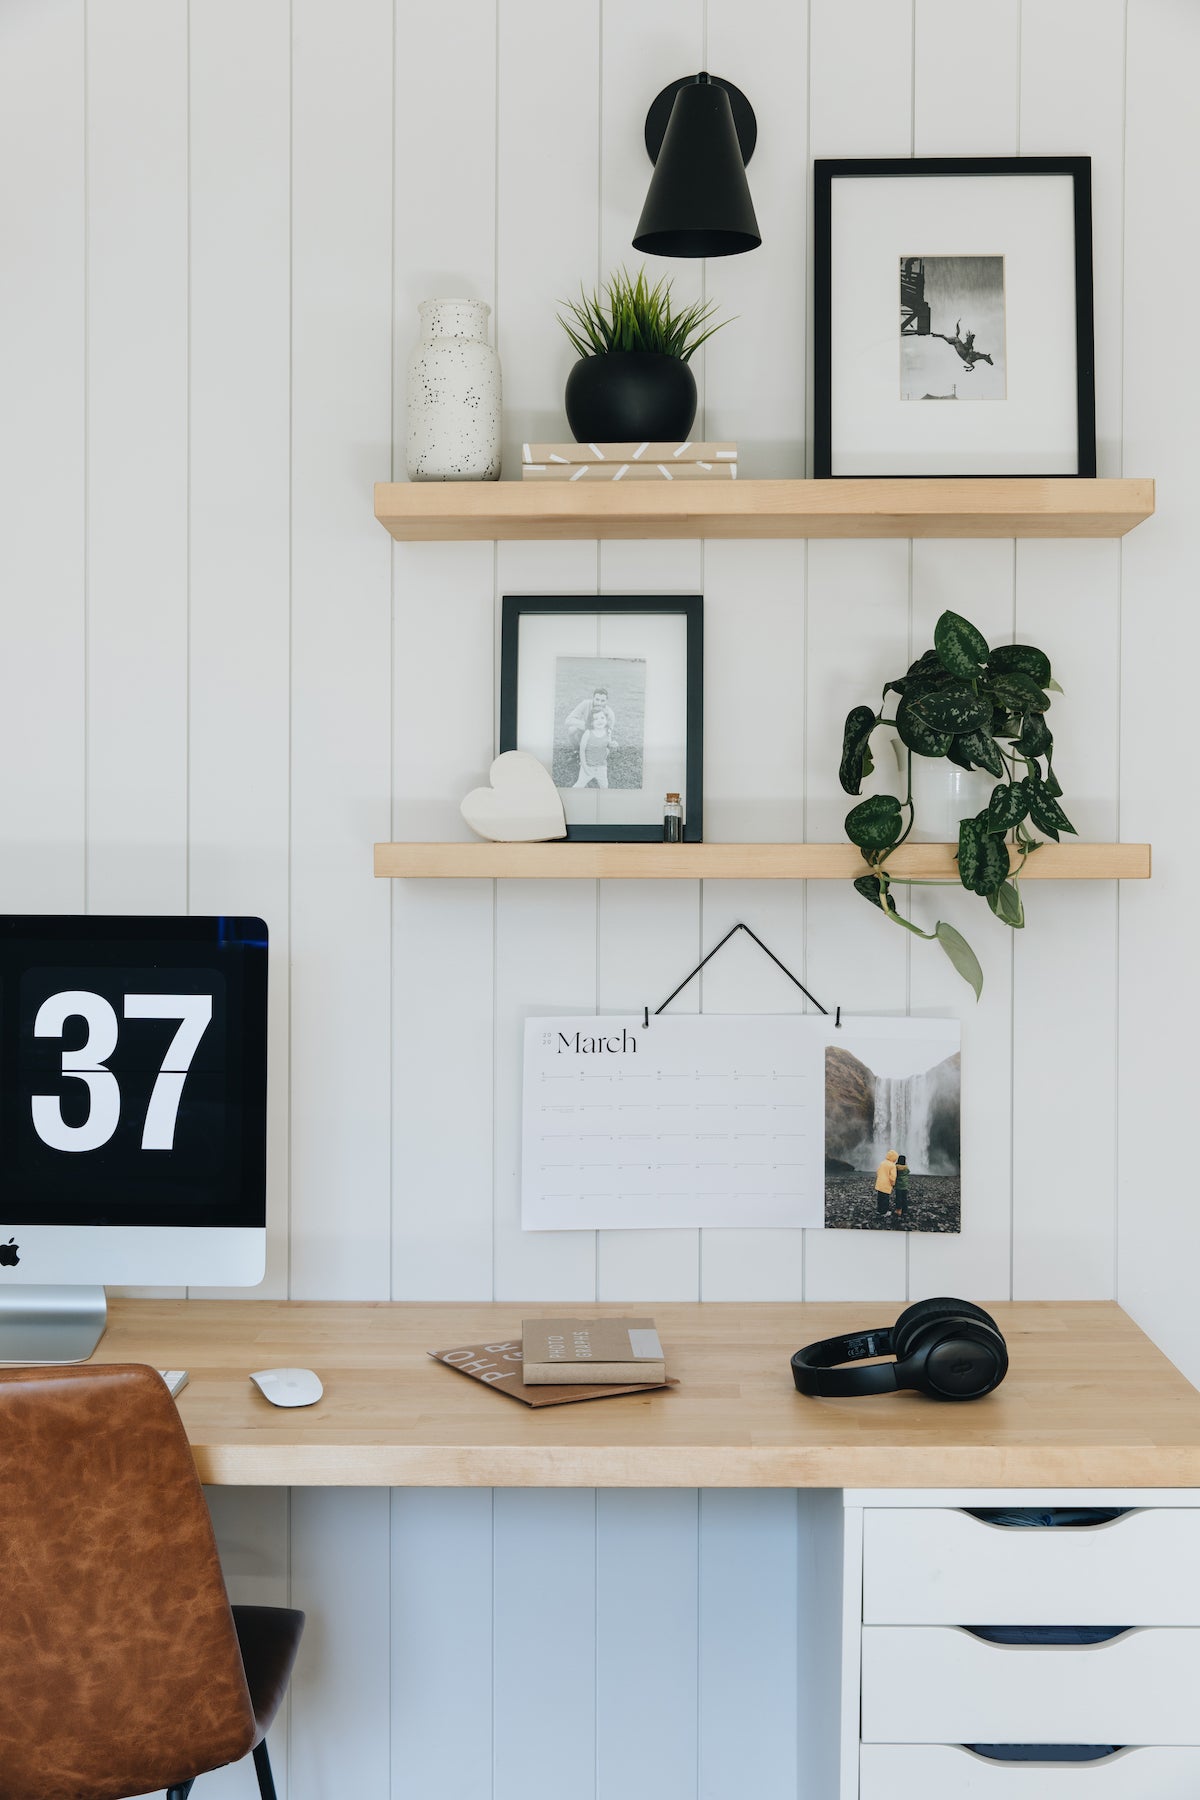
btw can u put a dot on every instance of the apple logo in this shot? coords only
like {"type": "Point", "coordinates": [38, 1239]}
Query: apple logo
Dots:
{"type": "Point", "coordinates": [10, 1254]}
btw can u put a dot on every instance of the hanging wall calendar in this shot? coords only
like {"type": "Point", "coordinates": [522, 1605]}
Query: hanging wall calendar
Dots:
{"type": "Point", "coordinates": [764, 1120]}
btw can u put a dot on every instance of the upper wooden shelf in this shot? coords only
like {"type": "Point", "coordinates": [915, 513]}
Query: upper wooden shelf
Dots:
{"type": "Point", "coordinates": [734, 862]}
{"type": "Point", "coordinates": [987, 507]}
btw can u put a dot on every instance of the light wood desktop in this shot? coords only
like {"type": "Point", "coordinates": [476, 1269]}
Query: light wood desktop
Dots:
{"type": "Point", "coordinates": [1089, 1402]}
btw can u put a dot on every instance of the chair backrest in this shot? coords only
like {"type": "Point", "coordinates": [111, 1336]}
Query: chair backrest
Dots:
{"type": "Point", "coordinates": [120, 1671]}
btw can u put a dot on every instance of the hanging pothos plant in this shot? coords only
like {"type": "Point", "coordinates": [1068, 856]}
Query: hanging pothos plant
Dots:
{"type": "Point", "coordinates": [981, 709]}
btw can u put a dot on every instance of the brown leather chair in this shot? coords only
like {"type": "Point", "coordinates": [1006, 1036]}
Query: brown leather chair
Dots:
{"type": "Point", "coordinates": [123, 1668]}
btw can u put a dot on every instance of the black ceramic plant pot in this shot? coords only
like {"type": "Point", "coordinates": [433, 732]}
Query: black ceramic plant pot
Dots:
{"type": "Point", "coordinates": [630, 394]}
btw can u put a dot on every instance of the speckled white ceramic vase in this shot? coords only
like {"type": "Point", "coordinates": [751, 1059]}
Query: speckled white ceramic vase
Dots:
{"type": "Point", "coordinates": [453, 395]}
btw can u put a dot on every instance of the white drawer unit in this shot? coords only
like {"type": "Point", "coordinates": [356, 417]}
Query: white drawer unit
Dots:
{"type": "Point", "coordinates": [938, 1685]}
{"type": "Point", "coordinates": [949, 1772]}
{"type": "Point", "coordinates": [942, 1566]}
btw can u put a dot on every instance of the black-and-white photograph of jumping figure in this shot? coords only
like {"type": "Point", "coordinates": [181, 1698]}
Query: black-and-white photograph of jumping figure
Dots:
{"type": "Point", "coordinates": [952, 339]}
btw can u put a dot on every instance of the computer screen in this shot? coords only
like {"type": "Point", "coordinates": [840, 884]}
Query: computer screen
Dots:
{"type": "Point", "coordinates": [132, 1098]}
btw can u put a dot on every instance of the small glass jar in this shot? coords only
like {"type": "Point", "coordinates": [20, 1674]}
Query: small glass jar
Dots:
{"type": "Point", "coordinates": [672, 820]}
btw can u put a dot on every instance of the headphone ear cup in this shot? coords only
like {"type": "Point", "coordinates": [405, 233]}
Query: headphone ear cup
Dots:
{"type": "Point", "coordinates": [927, 1312]}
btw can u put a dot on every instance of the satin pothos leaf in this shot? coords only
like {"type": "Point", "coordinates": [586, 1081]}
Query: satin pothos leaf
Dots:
{"type": "Point", "coordinates": [1007, 807]}
{"type": "Point", "coordinates": [960, 647]}
{"type": "Point", "coordinates": [961, 955]}
{"type": "Point", "coordinates": [916, 735]}
{"type": "Point", "coordinates": [856, 749]}
{"type": "Point", "coordinates": [1022, 659]}
{"type": "Point", "coordinates": [875, 824]}
{"type": "Point", "coordinates": [953, 708]}
{"type": "Point", "coordinates": [979, 747]}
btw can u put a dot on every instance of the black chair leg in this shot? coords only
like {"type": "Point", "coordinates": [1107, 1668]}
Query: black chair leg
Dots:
{"type": "Point", "coordinates": [181, 1792]}
{"type": "Point", "coordinates": [262, 1768]}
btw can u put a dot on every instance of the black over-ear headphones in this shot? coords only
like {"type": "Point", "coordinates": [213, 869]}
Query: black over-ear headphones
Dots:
{"type": "Point", "coordinates": [945, 1348]}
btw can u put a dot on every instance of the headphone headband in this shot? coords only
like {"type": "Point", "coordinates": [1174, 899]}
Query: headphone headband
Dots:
{"type": "Point", "coordinates": [814, 1371]}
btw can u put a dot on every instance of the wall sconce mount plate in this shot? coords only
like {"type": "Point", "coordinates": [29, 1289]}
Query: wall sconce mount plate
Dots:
{"type": "Point", "coordinates": [660, 111]}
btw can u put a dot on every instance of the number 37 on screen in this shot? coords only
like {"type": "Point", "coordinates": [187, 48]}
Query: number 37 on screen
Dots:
{"type": "Point", "coordinates": [87, 1064]}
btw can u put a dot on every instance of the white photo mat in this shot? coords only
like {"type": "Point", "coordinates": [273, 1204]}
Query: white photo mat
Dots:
{"type": "Point", "coordinates": [657, 639]}
{"type": "Point", "coordinates": [1029, 220]}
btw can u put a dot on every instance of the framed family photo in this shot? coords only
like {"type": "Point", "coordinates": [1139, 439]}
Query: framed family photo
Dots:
{"type": "Point", "coordinates": [953, 317]}
{"type": "Point", "coordinates": [607, 692]}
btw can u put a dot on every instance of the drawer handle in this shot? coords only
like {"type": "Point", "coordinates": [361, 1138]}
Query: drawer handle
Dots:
{"type": "Point", "coordinates": [1045, 1753]}
{"type": "Point", "coordinates": [1023, 1636]}
{"type": "Point", "coordinates": [1052, 1518]}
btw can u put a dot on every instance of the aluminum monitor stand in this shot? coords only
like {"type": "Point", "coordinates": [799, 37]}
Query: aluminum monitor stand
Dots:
{"type": "Point", "coordinates": [51, 1324]}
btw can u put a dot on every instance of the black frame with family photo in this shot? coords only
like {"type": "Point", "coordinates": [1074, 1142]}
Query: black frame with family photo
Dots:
{"type": "Point", "coordinates": [690, 607]}
{"type": "Point", "coordinates": [983, 168]}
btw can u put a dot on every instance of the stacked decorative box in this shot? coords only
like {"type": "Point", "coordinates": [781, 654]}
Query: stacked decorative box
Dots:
{"type": "Point", "coordinates": [629, 462]}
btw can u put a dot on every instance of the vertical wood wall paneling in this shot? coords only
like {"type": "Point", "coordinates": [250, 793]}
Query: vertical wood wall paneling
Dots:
{"type": "Point", "coordinates": [755, 368]}
{"type": "Point", "coordinates": [137, 457]}
{"type": "Point", "coordinates": [647, 1598]}
{"type": "Point", "coordinates": [1064, 1072]}
{"type": "Point", "coordinates": [442, 1643]}
{"type": "Point", "coordinates": [341, 647]}
{"type": "Point", "coordinates": [1159, 1236]}
{"type": "Point", "coordinates": [342, 1690]}
{"type": "Point", "coordinates": [548, 196]}
{"type": "Point", "coordinates": [755, 752]}
{"type": "Point", "coordinates": [42, 545]}
{"type": "Point", "coordinates": [755, 599]}
{"type": "Point", "coordinates": [1073, 105]}
{"type": "Point", "coordinates": [1065, 994]}
{"type": "Point", "coordinates": [444, 691]}
{"type": "Point", "coordinates": [749, 1591]}
{"type": "Point", "coordinates": [252, 1529]}
{"type": "Point", "coordinates": [965, 94]}
{"type": "Point", "coordinates": [953, 117]}
{"type": "Point", "coordinates": [860, 92]}
{"type": "Point", "coordinates": [976, 579]}
{"type": "Point", "coordinates": [238, 651]}
{"type": "Point", "coordinates": [544, 1643]}
{"type": "Point", "coordinates": [641, 937]}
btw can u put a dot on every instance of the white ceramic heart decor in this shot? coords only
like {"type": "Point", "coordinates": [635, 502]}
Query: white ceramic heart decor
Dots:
{"type": "Point", "coordinates": [521, 806]}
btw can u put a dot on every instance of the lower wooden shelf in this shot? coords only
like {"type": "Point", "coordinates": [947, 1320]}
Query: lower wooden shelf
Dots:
{"type": "Point", "coordinates": [733, 862]}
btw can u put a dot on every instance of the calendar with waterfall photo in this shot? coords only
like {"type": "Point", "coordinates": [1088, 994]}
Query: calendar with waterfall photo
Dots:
{"type": "Point", "coordinates": [892, 1127]}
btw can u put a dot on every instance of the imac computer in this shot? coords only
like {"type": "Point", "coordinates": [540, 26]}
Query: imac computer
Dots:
{"type": "Point", "coordinates": [133, 1102]}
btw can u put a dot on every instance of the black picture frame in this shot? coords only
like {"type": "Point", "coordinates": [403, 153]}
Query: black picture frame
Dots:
{"type": "Point", "coordinates": [828, 170]}
{"type": "Point", "coordinates": [515, 607]}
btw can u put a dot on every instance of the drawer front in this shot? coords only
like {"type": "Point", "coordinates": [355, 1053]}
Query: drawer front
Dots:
{"type": "Point", "coordinates": [946, 1772]}
{"type": "Point", "coordinates": [936, 1685]}
{"type": "Point", "coordinates": [936, 1566]}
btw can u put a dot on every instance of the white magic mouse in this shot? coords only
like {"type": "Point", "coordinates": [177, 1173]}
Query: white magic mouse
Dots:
{"type": "Point", "coordinates": [288, 1387]}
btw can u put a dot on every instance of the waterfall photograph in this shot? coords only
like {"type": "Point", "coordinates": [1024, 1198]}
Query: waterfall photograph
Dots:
{"type": "Point", "coordinates": [892, 1128]}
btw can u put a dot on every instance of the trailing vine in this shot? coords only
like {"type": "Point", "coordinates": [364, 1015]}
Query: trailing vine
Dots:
{"type": "Point", "coordinates": [981, 709]}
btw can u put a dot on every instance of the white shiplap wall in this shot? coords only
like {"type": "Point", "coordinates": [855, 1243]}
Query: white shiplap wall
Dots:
{"type": "Point", "coordinates": [220, 684]}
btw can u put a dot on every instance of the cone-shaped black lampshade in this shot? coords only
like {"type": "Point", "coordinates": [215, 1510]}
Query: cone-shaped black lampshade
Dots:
{"type": "Point", "coordinates": [699, 201]}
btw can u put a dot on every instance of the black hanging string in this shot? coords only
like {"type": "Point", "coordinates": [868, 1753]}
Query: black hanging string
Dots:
{"type": "Point", "coordinates": [707, 959]}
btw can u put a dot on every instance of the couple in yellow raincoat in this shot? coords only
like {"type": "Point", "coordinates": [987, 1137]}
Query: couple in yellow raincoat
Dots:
{"type": "Point", "coordinates": [891, 1187]}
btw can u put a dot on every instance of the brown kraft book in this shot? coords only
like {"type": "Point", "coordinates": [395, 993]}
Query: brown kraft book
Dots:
{"type": "Point", "coordinates": [563, 1352]}
{"type": "Point", "coordinates": [499, 1366]}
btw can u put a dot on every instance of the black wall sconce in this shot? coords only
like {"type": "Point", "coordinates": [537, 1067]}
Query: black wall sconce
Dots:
{"type": "Point", "coordinates": [700, 133]}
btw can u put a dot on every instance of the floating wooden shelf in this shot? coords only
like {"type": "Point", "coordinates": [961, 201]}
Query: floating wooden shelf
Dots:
{"type": "Point", "coordinates": [986, 507]}
{"type": "Point", "coordinates": [734, 862]}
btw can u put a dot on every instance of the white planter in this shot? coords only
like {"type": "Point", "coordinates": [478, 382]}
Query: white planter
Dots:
{"type": "Point", "coordinates": [453, 395]}
{"type": "Point", "coordinates": [943, 795]}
